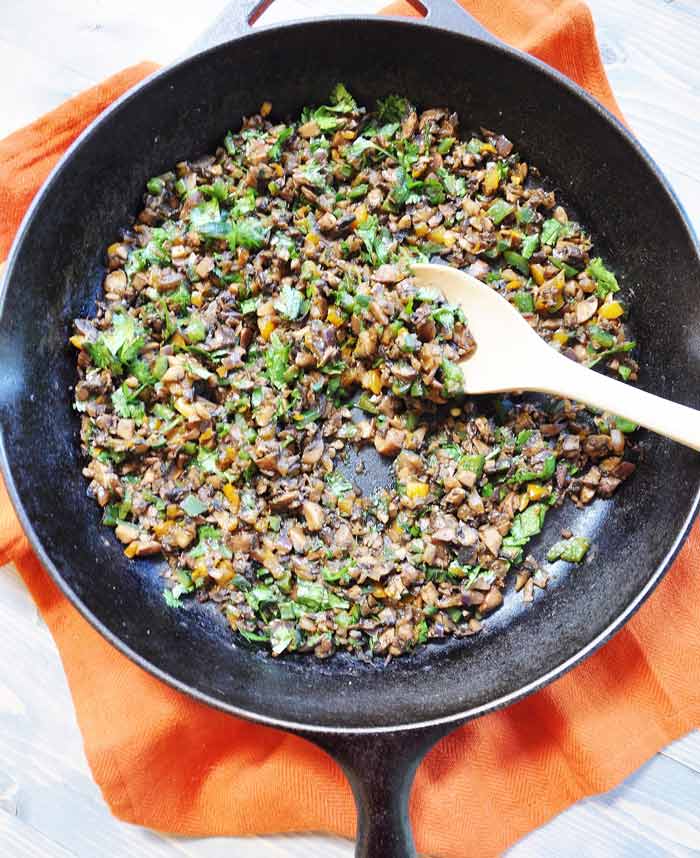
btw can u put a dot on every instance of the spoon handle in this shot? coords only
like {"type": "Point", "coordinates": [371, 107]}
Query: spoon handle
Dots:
{"type": "Point", "coordinates": [574, 381]}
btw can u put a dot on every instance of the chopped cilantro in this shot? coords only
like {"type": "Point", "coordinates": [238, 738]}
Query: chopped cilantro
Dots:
{"type": "Point", "coordinates": [606, 281]}
{"type": "Point", "coordinates": [193, 506]}
{"type": "Point", "coordinates": [291, 303]}
{"type": "Point", "coordinates": [277, 361]}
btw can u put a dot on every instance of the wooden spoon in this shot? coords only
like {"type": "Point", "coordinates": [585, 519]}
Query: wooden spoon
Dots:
{"type": "Point", "coordinates": [511, 356]}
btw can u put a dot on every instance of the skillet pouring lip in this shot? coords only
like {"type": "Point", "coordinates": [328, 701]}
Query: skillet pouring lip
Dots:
{"type": "Point", "coordinates": [260, 33]}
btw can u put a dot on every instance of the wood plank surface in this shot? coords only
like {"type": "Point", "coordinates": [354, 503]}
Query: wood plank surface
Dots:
{"type": "Point", "coordinates": [49, 804]}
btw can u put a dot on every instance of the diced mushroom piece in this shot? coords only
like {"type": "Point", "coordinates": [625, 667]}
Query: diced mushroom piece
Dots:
{"type": "Point", "coordinates": [586, 309]}
{"type": "Point", "coordinates": [624, 470]}
{"type": "Point", "coordinates": [147, 547]}
{"type": "Point", "coordinates": [298, 538]}
{"type": "Point", "coordinates": [429, 593]}
{"type": "Point", "coordinates": [617, 441]}
{"type": "Point", "coordinates": [472, 597]}
{"type": "Point", "coordinates": [592, 477]}
{"type": "Point", "coordinates": [172, 374]}
{"type": "Point", "coordinates": [241, 542]}
{"type": "Point", "coordinates": [116, 282]}
{"type": "Point", "coordinates": [597, 446]}
{"type": "Point", "coordinates": [466, 478]}
{"type": "Point", "coordinates": [309, 129]}
{"type": "Point", "coordinates": [426, 330]}
{"type": "Point", "coordinates": [313, 452]}
{"type": "Point", "coordinates": [314, 515]}
{"type": "Point", "coordinates": [445, 534]}
{"type": "Point", "coordinates": [475, 501]}
{"type": "Point", "coordinates": [391, 443]}
{"type": "Point", "coordinates": [522, 577]}
{"type": "Point", "coordinates": [570, 446]}
{"type": "Point", "coordinates": [284, 501]}
{"type": "Point", "coordinates": [181, 536]}
{"type": "Point", "coordinates": [586, 494]}
{"type": "Point", "coordinates": [503, 146]}
{"type": "Point", "coordinates": [408, 126]}
{"type": "Point", "coordinates": [395, 587]}
{"type": "Point", "coordinates": [455, 496]}
{"type": "Point", "coordinates": [492, 539]}
{"type": "Point", "coordinates": [204, 266]}
{"type": "Point", "coordinates": [493, 600]}
{"type": "Point", "coordinates": [327, 222]}
{"type": "Point", "coordinates": [607, 486]}
{"type": "Point", "coordinates": [126, 533]}
{"type": "Point", "coordinates": [367, 341]}
{"type": "Point", "coordinates": [387, 274]}
{"type": "Point", "coordinates": [125, 429]}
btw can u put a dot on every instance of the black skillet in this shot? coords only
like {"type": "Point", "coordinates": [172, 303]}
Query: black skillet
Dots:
{"type": "Point", "coordinates": [377, 721]}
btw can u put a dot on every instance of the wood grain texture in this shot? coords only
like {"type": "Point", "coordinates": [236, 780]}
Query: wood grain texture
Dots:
{"type": "Point", "coordinates": [49, 804]}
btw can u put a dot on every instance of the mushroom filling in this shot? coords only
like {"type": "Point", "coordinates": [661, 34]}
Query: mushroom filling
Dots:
{"type": "Point", "coordinates": [259, 328]}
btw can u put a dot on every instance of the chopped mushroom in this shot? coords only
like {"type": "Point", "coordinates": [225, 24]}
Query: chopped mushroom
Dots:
{"type": "Point", "coordinates": [314, 515]}
{"type": "Point", "coordinates": [259, 327]}
{"type": "Point", "coordinates": [391, 443]}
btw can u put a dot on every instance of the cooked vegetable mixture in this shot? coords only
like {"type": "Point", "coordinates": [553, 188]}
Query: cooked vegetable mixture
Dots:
{"type": "Point", "coordinates": [259, 321]}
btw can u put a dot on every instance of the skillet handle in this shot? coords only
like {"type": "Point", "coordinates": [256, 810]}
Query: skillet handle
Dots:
{"type": "Point", "coordinates": [380, 768]}
{"type": "Point", "coordinates": [449, 15]}
{"type": "Point", "coordinates": [232, 23]}
{"type": "Point", "coordinates": [235, 21]}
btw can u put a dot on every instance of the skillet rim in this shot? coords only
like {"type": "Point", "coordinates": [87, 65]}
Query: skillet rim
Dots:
{"type": "Point", "coordinates": [455, 718]}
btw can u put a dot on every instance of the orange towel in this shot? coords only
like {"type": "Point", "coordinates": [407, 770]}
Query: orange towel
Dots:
{"type": "Point", "coordinates": [165, 761]}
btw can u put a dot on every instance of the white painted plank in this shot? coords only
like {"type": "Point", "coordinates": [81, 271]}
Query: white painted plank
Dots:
{"type": "Point", "coordinates": [44, 84]}
{"type": "Point", "coordinates": [655, 813]}
{"type": "Point", "coordinates": [686, 751]}
{"type": "Point", "coordinates": [22, 841]}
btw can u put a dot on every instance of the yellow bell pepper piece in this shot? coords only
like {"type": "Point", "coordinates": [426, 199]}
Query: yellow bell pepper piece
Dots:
{"type": "Point", "coordinates": [335, 317]}
{"type": "Point", "coordinates": [372, 380]}
{"type": "Point", "coordinates": [537, 272]}
{"type": "Point", "coordinates": [233, 497]}
{"type": "Point", "coordinates": [613, 310]}
{"type": "Point", "coordinates": [536, 492]}
{"type": "Point", "coordinates": [267, 326]}
{"type": "Point", "coordinates": [491, 180]}
{"type": "Point", "coordinates": [415, 489]}
{"type": "Point", "coordinates": [345, 505]}
{"type": "Point", "coordinates": [184, 407]}
{"type": "Point", "coordinates": [225, 571]}
{"type": "Point", "coordinates": [440, 235]}
{"type": "Point", "coordinates": [162, 528]}
{"type": "Point", "coordinates": [360, 215]}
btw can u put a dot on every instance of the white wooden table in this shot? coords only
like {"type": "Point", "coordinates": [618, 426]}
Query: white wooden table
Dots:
{"type": "Point", "coordinates": [49, 805]}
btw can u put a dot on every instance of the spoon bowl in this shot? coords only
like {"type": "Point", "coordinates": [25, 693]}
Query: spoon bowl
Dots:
{"type": "Point", "coordinates": [511, 356]}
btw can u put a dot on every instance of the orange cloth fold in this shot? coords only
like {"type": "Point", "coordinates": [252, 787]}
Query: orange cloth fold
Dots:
{"type": "Point", "coordinates": [165, 761]}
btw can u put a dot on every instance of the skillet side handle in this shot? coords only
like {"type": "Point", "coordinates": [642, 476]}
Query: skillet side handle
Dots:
{"type": "Point", "coordinates": [235, 21]}
{"type": "Point", "coordinates": [449, 15]}
{"type": "Point", "coordinates": [380, 768]}
{"type": "Point", "coordinates": [232, 23]}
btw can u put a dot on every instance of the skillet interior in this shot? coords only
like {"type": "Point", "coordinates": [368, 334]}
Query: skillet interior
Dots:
{"type": "Point", "coordinates": [55, 275]}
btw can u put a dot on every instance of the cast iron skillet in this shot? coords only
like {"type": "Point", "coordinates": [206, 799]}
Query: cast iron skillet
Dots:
{"type": "Point", "coordinates": [376, 721]}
